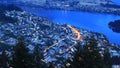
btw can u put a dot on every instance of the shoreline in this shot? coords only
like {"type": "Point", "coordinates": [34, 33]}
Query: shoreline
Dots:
{"type": "Point", "coordinates": [101, 8]}
{"type": "Point", "coordinates": [104, 10]}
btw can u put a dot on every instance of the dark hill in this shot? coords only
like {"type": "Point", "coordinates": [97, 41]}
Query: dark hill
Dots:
{"type": "Point", "coordinates": [115, 26]}
{"type": "Point", "coordinates": [4, 8]}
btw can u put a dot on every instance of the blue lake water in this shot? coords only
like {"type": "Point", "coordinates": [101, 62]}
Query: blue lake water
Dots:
{"type": "Point", "coordinates": [90, 21]}
{"type": "Point", "coordinates": [116, 2]}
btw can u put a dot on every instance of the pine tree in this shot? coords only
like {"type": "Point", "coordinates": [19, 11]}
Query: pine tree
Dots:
{"type": "Point", "coordinates": [21, 57]}
{"type": "Point", "coordinates": [51, 65]}
{"type": "Point", "coordinates": [78, 58]}
{"type": "Point", "coordinates": [92, 57]}
{"type": "Point", "coordinates": [38, 56]}
{"type": "Point", "coordinates": [107, 59]}
{"type": "Point", "coordinates": [4, 60]}
{"type": "Point", "coordinates": [87, 56]}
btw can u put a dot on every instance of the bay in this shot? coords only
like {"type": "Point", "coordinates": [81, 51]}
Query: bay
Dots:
{"type": "Point", "coordinates": [91, 21]}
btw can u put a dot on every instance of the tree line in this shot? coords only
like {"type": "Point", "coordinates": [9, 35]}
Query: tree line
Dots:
{"type": "Point", "coordinates": [88, 55]}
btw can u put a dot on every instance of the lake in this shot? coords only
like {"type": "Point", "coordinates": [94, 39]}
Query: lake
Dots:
{"type": "Point", "coordinates": [116, 2]}
{"type": "Point", "coordinates": [91, 21]}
